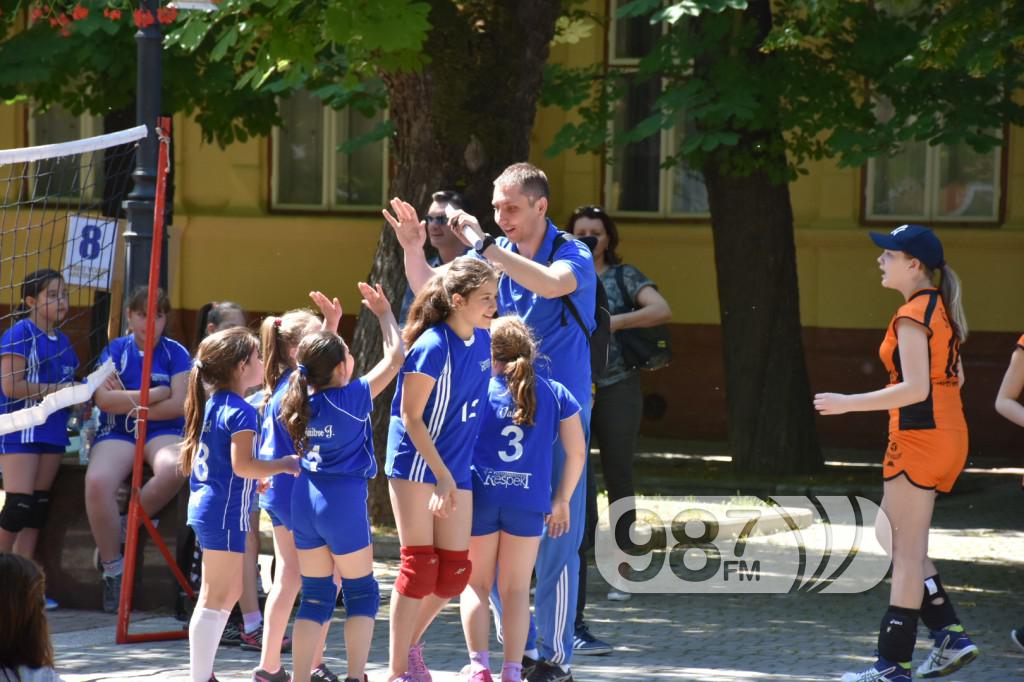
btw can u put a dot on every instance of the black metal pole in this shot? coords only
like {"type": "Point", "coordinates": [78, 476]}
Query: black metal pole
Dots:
{"type": "Point", "coordinates": [138, 236]}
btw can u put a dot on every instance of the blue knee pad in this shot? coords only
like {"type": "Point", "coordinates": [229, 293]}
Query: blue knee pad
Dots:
{"type": "Point", "coordinates": [318, 599]}
{"type": "Point", "coordinates": [362, 596]}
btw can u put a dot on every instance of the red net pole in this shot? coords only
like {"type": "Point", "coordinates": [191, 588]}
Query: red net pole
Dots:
{"type": "Point", "coordinates": [136, 514]}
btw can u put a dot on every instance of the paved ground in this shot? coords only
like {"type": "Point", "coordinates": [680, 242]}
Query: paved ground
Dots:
{"type": "Point", "coordinates": [978, 543]}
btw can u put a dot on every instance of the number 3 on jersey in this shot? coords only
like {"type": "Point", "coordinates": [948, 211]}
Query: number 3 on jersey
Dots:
{"type": "Point", "coordinates": [201, 467]}
{"type": "Point", "coordinates": [515, 442]}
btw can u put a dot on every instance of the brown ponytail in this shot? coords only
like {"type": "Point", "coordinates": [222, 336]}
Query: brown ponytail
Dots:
{"type": "Point", "coordinates": [433, 304]}
{"type": "Point", "coordinates": [277, 337]}
{"type": "Point", "coordinates": [513, 344]}
{"type": "Point", "coordinates": [218, 356]}
{"type": "Point", "coordinates": [317, 357]}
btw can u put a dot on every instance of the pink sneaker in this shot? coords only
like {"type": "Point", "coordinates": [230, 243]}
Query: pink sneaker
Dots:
{"type": "Point", "coordinates": [418, 671]}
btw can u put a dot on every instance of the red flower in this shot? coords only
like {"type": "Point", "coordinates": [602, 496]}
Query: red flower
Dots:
{"type": "Point", "coordinates": [167, 14]}
{"type": "Point", "coordinates": [53, 22]}
{"type": "Point", "coordinates": [115, 14]}
{"type": "Point", "coordinates": [63, 19]}
{"type": "Point", "coordinates": [65, 33]}
{"type": "Point", "coordinates": [36, 14]}
{"type": "Point", "coordinates": [79, 12]}
{"type": "Point", "coordinates": [143, 18]}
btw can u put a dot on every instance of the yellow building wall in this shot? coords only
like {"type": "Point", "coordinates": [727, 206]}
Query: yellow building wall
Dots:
{"type": "Point", "coordinates": [226, 244]}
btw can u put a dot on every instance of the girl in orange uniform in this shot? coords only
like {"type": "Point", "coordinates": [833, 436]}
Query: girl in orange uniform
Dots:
{"type": "Point", "coordinates": [927, 448]}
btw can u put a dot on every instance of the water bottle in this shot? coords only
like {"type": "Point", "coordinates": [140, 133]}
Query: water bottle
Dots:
{"type": "Point", "coordinates": [88, 434]}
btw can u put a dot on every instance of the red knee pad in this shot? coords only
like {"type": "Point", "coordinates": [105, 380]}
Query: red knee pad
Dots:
{"type": "Point", "coordinates": [452, 573]}
{"type": "Point", "coordinates": [418, 573]}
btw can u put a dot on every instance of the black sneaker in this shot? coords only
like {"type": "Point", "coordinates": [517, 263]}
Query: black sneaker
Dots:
{"type": "Point", "coordinates": [549, 672]}
{"type": "Point", "coordinates": [232, 635]}
{"type": "Point", "coordinates": [323, 674]}
{"type": "Point", "coordinates": [111, 593]}
{"type": "Point", "coordinates": [1018, 637]}
{"type": "Point", "coordinates": [528, 665]}
{"type": "Point", "coordinates": [585, 644]}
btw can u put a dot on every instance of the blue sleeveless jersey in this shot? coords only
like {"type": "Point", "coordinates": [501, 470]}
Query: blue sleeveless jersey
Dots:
{"type": "Point", "coordinates": [274, 443]}
{"type": "Point", "coordinates": [512, 462]}
{"type": "Point", "coordinates": [461, 370]}
{"type": "Point", "coordinates": [49, 359]}
{"type": "Point", "coordinates": [219, 498]}
{"type": "Point", "coordinates": [170, 358]}
{"type": "Point", "coordinates": [339, 436]}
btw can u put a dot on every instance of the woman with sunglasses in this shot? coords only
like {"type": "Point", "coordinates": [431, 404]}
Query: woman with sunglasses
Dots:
{"type": "Point", "coordinates": [634, 301]}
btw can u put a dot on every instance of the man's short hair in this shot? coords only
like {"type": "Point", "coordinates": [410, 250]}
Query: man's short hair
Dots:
{"type": "Point", "coordinates": [530, 180]}
{"type": "Point", "coordinates": [447, 196]}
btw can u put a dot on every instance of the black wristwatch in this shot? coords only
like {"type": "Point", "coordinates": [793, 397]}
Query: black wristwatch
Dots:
{"type": "Point", "coordinates": [482, 244]}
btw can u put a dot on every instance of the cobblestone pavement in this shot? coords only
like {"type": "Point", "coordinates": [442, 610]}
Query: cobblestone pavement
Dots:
{"type": "Point", "coordinates": [978, 544]}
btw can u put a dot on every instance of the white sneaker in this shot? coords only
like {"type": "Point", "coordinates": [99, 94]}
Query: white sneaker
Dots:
{"type": "Point", "coordinates": [953, 650]}
{"type": "Point", "coordinates": [615, 595]}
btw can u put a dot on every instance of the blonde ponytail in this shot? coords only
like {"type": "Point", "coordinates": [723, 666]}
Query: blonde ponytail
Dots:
{"type": "Point", "coordinates": [951, 291]}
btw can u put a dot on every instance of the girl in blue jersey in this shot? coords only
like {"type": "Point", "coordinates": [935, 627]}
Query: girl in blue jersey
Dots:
{"type": "Point", "coordinates": [36, 359]}
{"type": "Point", "coordinates": [112, 454]}
{"type": "Point", "coordinates": [513, 491]}
{"type": "Point", "coordinates": [434, 423]}
{"type": "Point", "coordinates": [218, 455]}
{"type": "Point", "coordinates": [327, 413]}
{"type": "Point", "coordinates": [279, 338]}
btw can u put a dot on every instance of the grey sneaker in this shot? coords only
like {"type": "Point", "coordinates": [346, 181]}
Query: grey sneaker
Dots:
{"type": "Point", "coordinates": [261, 675]}
{"type": "Point", "coordinates": [323, 674]}
{"type": "Point", "coordinates": [231, 635]}
{"type": "Point", "coordinates": [111, 593]}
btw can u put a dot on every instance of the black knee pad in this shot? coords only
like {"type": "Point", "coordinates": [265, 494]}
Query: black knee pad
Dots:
{"type": "Point", "coordinates": [17, 511]}
{"type": "Point", "coordinates": [41, 509]}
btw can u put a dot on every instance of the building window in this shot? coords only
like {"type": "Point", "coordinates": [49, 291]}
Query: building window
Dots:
{"type": "Point", "coordinates": [309, 170]}
{"type": "Point", "coordinates": [939, 183]}
{"type": "Point", "coordinates": [79, 176]}
{"type": "Point", "coordinates": [636, 183]}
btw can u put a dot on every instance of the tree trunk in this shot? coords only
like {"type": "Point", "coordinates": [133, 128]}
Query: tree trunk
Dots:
{"type": "Point", "coordinates": [458, 123]}
{"type": "Point", "coordinates": [771, 419]}
{"type": "Point", "coordinates": [768, 397]}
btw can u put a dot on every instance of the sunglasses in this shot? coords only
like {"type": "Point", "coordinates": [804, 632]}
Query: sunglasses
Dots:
{"type": "Point", "coordinates": [437, 219]}
{"type": "Point", "coordinates": [588, 211]}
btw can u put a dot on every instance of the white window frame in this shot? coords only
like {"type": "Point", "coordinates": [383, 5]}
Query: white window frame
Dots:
{"type": "Point", "coordinates": [932, 190]}
{"type": "Point", "coordinates": [668, 140]}
{"type": "Point", "coordinates": [329, 172]}
{"type": "Point", "coordinates": [88, 126]}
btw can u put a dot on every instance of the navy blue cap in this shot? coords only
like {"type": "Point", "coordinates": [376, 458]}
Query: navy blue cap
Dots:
{"type": "Point", "coordinates": [915, 240]}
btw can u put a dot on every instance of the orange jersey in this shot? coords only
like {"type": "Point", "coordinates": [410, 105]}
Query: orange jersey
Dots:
{"type": "Point", "coordinates": [942, 408]}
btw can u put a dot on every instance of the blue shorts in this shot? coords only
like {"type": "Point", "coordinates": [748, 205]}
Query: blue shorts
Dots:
{"type": "Point", "coordinates": [524, 523]}
{"type": "Point", "coordinates": [277, 520]}
{"type": "Point", "coordinates": [277, 500]}
{"type": "Point", "coordinates": [330, 510]}
{"type": "Point", "coordinates": [129, 438]}
{"type": "Point", "coordinates": [7, 448]}
{"type": "Point", "coordinates": [219, 539]}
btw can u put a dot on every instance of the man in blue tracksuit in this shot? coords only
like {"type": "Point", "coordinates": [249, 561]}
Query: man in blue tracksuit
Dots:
{"type": "Point", "coordinates": [537, 276]}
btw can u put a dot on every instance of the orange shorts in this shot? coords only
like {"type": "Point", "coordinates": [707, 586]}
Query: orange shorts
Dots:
{"type": "Point", "coordinates": [929, 458]}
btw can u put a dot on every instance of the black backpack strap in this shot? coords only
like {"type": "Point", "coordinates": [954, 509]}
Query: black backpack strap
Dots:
{"type": "Point", "coordinates": [560, 239]}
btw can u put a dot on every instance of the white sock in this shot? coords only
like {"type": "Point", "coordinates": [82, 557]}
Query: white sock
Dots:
{"type": "Point", "coordinates": [532, 653]}
{"type": "Point", "coordinates": [204, 631]}
{"type": "Point", "coordinates": [251, 621]}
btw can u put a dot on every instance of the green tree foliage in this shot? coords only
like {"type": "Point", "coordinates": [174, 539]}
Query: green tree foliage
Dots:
{"type": "Point", "coordinates": [846, 79]}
